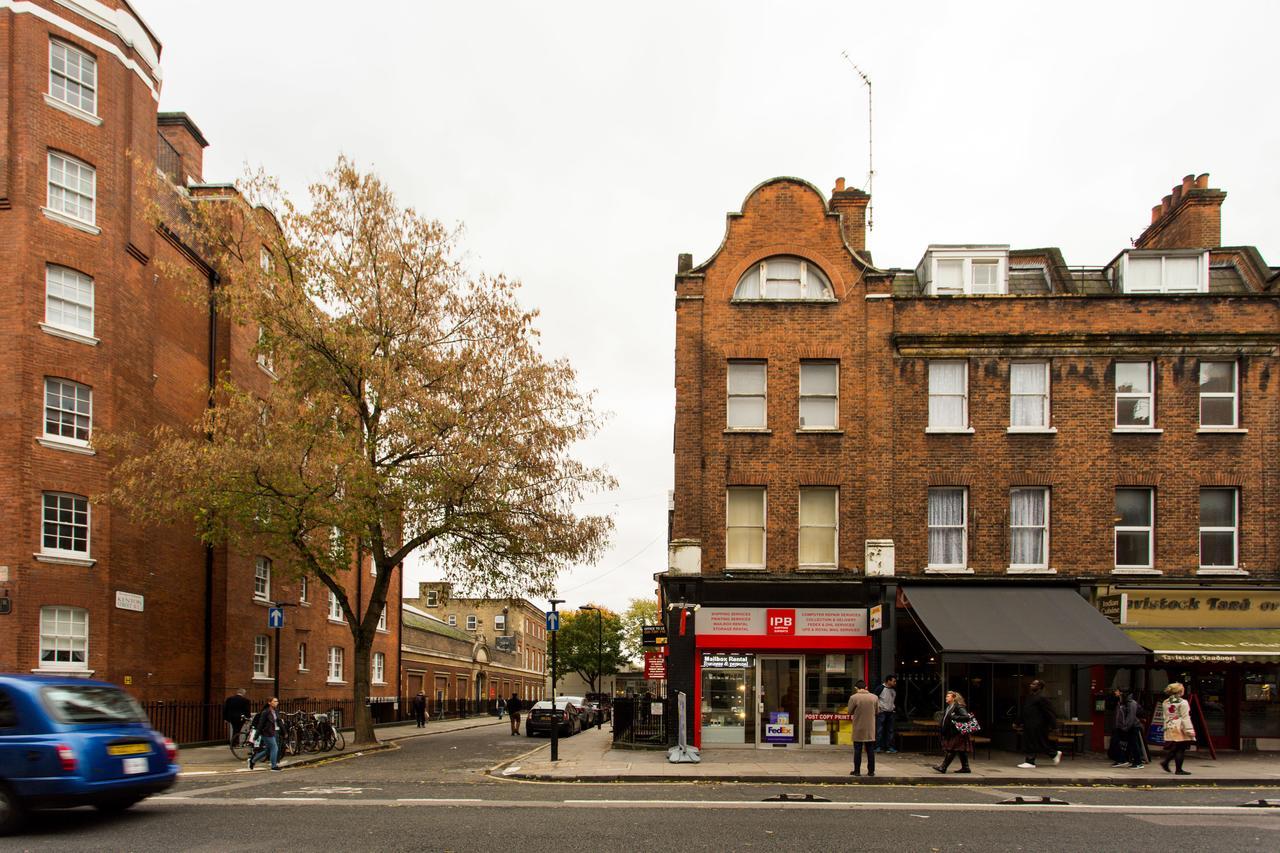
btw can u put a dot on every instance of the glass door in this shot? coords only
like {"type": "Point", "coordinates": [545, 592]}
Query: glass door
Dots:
{"type": "Point", "coordinates": [779, 701]}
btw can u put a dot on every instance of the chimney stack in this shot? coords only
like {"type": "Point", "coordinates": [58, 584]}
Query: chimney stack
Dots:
{"type": "Point", "coordinates": [851, 204]}
{"type": "Point", "coordinates": [1190, 217]}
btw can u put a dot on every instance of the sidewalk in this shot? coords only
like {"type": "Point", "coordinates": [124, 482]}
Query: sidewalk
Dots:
{"type": "Point", "coordinates": [206, 760]}
{"type": "Point", "coordinates": [588, 757]}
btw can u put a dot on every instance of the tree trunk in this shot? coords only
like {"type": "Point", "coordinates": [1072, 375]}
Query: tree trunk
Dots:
{"type": "Point", "coordinates": [364, 735]}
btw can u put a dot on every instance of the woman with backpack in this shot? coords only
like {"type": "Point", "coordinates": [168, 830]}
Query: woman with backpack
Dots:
{"type": "Point", "coordinates": [956, 728]}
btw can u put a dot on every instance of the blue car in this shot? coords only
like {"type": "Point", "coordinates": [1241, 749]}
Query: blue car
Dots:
{"type": "Point", "coordinates": [71, 742]}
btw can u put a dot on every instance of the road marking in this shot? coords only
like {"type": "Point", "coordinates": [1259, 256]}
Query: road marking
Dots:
{"type": "Point", "coordinates": [289, 800]}
{"type": "Point", "coordinates": [439, 800]}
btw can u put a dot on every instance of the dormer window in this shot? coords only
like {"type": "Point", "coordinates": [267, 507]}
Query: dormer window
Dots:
{"type": "Point", "coordinates": [964, 271]}
{"type": "Point", "coordinates": [1164, 272]}
{"type": "Point", "coordinates": [784, 278]}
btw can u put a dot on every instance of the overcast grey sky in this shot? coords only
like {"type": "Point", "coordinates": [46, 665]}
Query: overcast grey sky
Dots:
{"type": "Point", "coordinates": [585, 145]}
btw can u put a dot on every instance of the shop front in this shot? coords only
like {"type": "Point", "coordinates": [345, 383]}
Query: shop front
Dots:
{"type": "Point", "coordinates": [777, 677]}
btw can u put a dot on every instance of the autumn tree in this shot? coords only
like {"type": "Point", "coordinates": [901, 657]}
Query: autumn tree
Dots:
{"type": "Point", "coordinates": [641, 611]}
{"type": "Point", "coordinates": [412, 411]}
{"type": "Point", "coordinates": [590, 643]}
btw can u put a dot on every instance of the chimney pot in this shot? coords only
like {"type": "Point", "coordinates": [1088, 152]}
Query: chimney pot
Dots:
{"type": "Point", "coordinates": [839, 185]}
{"type": "Point", "coordinates": [684, 262]}
{"type": "Point", "coordinates": [1156, 213]}
{"type": "Point", "coordinates": [1202, 182]}
{"type": "Point", "coordinates": [1176, 195]}
{"type": "Point", "coordinates": [1166, 203]}
{"type": "Point", "coordinates": [1187, 183]}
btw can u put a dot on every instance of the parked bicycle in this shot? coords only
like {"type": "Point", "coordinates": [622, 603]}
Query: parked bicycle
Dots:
{"type": "Point", "coordinates": [328, 735]}
{"type": "Point", "coordinates": [241, 748]}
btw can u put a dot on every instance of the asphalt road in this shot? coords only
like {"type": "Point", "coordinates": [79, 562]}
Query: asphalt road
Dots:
{"type": "Point", "coordinates": [432, 794]}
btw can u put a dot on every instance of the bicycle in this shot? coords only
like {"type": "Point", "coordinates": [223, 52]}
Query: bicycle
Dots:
{"type": "Point", "coordinates": [241, 748]}
{"type": "Point", "coordinates": [327, 735]}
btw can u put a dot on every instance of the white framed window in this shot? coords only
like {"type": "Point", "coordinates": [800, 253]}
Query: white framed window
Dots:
{"type": "Point", "coordinates": [500, 622]}
{"type": "Point", "coordinates": [261, 657]}
{"type": "Point", "coordinates": [336, 659]}
{"type": "Point", "coordinates": [335, 608]}
{"type": "Point", "coordinates": [785, 278]}
{"type": "Point", "coordinates": [65, 525]}
{"type": "Point", "coordinates": [1219, 528]}
{"type": "Point", "coordinates": [818, 527]}
{"type": "Point", "coordinates": [68, 410]}
{"type": "Point", "coordinates": [262, 579]}
{"type": "Point", "coordinates": [948, 395]}
{"type": "Point", "coordinates": [1167, 273]}
{"type": "Point", "coordinates": [304, 589]}
{"type": "Point", "coordinates": [379, 668]}
{"type": "Point", "coordinates": [1135, 395]}
{"type": "Point", "coordinates": [1218, 394]}
{"type": "Point", "coordinates": [68, 300]}
{"type": "Point", "coordinates": [453, 620]}
{"type": "Point", "coordinates": [72, 188]}
{"type": "Point", "coordinates": [1135, 528]}
{"type": "Point", "coordinates": [302, 657]}
{"type": "Point", "coordinates": [265, 357]}
{"type": "Point", "coordinates": [1029, 395]}
{"type": "Point", "coordinates": [986, 276]}
{"type": "Point", "coordinates": [819, 394]}
{"type": "Point", "coordinates": [382, 619]}
{"type": "Point", "coordinates": [73, 77]}
{"type": "Point", "coordinates": [948, 530]}
{"type": "Point", "coordinates": [1029, 528]}
{"type": "Point", "coordinates": [744, 546]}
{"type": "Point", "coordinates": [747, 393]}
{"type": "Point", "coordinates": [433, 598]}
{"type": "Point", "coordinates": [471, 622]}
{"type": "Point", "coordinates": [964, 271]}
{"type": "Point", "coordinates": [265, 261]}
{"type": "Point", "coordinates": [64, 638]}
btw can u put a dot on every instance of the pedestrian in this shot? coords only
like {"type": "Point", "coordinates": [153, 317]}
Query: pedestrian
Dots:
{"type": "Point", "coordinates": [1038, 722]}
{"type": "Point", "coordinates": [420, 709]}
{"type": "Point", "coordinates": [888, 699]}
{"type": "Point", "coordinates": [862, 706]}
{"type": "Point", "coordinates": [502, 706]}
{"type": "Point", "coordinates": [1126, 735]}
{"type": "Point", "coordinates": [954, 741]}
{"type": "Point", "coordinates": [235, 709]}
{"type": "Point", "coordinates": [514, 707]}
{"type": "Point", "coordinates": [1178, 731]}
{"type": "Point", "coordinates": [266, 727]}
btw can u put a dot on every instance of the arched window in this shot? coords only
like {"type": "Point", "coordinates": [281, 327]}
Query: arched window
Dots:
{"type": "Point", "coordinates": [784, 277]}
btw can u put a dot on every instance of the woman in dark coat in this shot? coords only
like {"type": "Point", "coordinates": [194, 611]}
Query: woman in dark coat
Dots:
{"type": "Point", "coordinates": [1038, 723]}
{"type": "Point", "coordinates": [954, 741]}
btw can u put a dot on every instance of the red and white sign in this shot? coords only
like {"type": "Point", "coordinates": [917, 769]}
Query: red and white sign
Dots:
{"type": "Point", "coordinates": [777, 627]}
{"type": "Point", "coordinates": [655, 665]}
{"type": "Point", "coordinates": [778, 622]}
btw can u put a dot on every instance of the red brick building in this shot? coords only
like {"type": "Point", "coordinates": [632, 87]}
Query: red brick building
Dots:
{"type": "Point", "coordinates": [93, 337]}
{"type": "Point", "coordinates": [951, 471]}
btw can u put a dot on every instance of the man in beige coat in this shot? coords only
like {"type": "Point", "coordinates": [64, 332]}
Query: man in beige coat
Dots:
{"type": "Point", "coordinates": [863, 706]}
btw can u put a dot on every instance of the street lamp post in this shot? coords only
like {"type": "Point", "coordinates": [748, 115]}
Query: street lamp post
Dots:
{"type": "Point", "coordinates": [599, 655]}
{"type": "Point", "coordinates": [555, 728]}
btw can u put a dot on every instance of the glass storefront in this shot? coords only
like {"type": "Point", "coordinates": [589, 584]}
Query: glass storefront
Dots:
{"type": "Point", "coordinates": [828, 684]}
{"type": "Point", "coordinates": [728, 704]}
{"type": "Point", "coordinates": [1260, 707]}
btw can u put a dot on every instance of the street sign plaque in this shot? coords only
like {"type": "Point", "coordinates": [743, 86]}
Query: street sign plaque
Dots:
{"type": "Point", "coordinates": [553, 620]}
{"type": "Point", "coordinates": [275, 617]}
{"type": "Point", "coordinates": [653, 635]}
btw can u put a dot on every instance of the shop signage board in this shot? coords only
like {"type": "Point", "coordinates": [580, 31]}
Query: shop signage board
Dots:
{"type": "Point", "coordinates": [728, 660]}
{"type": "Point", "coordinates": [1199, 608]}
{"type": "Point", "coordinates": [877, 617]}
{"type": "Point", "coordinates": [653, 635]}
{"type": "Point", "coordinates": [655, 665]}
{"type": "Point", "coordinates": [779, 729]}
{"type": "Point", "coordinates": [782, 621]}
{"type": "Point", "coordinates": [1114, 606]}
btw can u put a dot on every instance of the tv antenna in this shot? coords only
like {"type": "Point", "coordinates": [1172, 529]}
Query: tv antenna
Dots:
{"type": "Point", "coordinates": [871, 163]}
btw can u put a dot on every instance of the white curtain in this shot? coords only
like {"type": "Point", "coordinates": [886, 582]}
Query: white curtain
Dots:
{"type": "Point", "coordinates": [946, 393]}
{"type": "Point", "coordinates": [946, 527]}
{"type": "Point", "coordinates": [1182, 274]}
{"type": "Point", "coordinates": [1143, 274]}
{"type": "Point", "coordinates": [744, 539]}
{"type": "Point", "coordinates": [782, 279]}
{"type": "Point", "coordinates": [1027, 527]}
{"type": "Point", "coordinates": [950, 277]}
{"type": "Point", "coordinates": [1028, 388]}
{"type": "Point", "coordinates": [817, 527]}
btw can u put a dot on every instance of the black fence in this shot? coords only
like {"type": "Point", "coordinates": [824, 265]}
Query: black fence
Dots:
{"type": "Point", "coordinates": [642, 722]}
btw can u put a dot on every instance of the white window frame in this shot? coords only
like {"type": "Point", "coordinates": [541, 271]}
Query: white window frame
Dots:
{"type": "Point", "coordinates": [382, 619]}
{"type": "Point", "coordinates": [336, 665]}
{"type": "Point", "coordinates": [59, 387]}
{"type": "Point", "coordinates": [761, 271]}
{"type": "Point", "coordinates": [928, 271]}
{"type": "Point", "coordinates": [834, 527]}
{"type": "Point", "coordinates": [764, 528]}
{"type": "Point", "coordinates": [261, 656]}
{"type": "Point", "coordinates": [1202, 272]}
{"type": "Point", "coordinates": [261, 579]}
{"type": "Point", "coordinates": [1149, 396]}
{"type": "Point", "coordinates": [834, 396]}
{"type": "Point", "coordinates": [85, 59]}
{"type": "Point", "coordinates": [54, 639]}
{"type": "Point", "coordinates": [74, 297]}
{"type": "Point", "coordinates": [1041, 565]}
{"type": "Point", "coordinates": [378, 668]}
{"type": "Point", "coordinates": [1046, 398]}
{"type": "Point", "coordinates": [56, 202]}
{"type": "Point", "coordinates": [472, 622]}
{"type": "Point", "coordinates": [433, 598]}
{"type": "Point", "coordinates": [499, 622]}
{"type": "Point", "coordinates": [730, 395]}
{"type": "Point", "coordinates": [302, 657]}
{"type": "Point", "coordinates": [335, 609]}
{"type": "Point", "coordinates": [963, 565]}
{"type": "Point", "coordinates": [266, 359]}
{"type": "Point", "coordinates": [1149, 529]}
{"type": "Point", "coordinates": [1233, 396]}
{"type": "Point", "coordinates": [453, 620]}
{"type": "Point", "coordinates": [58, 509]}
{"type": "Point", "coordinates": [1234, 530]}
{"type": "Point", "coordinates": [964, 398]}
{"type": "Point", "coordinates": [304, 590]}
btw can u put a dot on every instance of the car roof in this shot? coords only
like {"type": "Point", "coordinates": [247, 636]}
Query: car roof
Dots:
{"type": "Point", "coordinates": [29, 683]}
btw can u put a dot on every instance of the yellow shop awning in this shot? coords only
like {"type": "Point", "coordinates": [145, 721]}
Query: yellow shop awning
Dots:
{"type": "Point", "coordinates": [1222, 645]}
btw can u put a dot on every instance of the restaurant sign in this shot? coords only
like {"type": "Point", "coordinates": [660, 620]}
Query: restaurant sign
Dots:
{"type": "Point", "coordinates": [1194, 608]}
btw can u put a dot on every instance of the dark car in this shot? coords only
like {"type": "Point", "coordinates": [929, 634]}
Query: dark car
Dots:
{"type": "Point", "coordinates": [564, 715]}
{"type": "Point", "coordinates": [72, 742]}
{"type": "Point", "coordinates": [602, 704]}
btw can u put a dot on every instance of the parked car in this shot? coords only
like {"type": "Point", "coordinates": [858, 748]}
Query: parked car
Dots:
{"type": "Point", "coordinates": [603, 704]}
{"type": "Point", "coordinates": [544, 716]}
{"type": "Point", "coordinates": [584, 709]}
{"type": "Point", "coordinates": [71, 742]}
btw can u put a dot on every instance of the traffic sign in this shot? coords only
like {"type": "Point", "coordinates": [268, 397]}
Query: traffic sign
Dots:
{"type": "Point", "coordinates": [553, 620]}
{"type": "Point", "coordinates": [275, 617]}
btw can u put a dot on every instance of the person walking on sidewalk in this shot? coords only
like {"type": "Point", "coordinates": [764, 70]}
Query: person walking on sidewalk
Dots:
{"type": "Point", "coordinates": [1126, 736]}
{"type": "Point", "coordinates": [955, 742]}
{"type": "Point", "coordinates": [863, 706]}
{"type": "Point", "coordinates": [1038, 723]}
{"type": "Point", "coordinates": [888, 700]}
{"type": "Point", "coordinates": [502, 706]}
{"type": "Point", "coordinates": [420, 709]}
{"type": "Point", "coordinates": [514, 707]}
{"type": "Point", "coordinates": [266, 724]}
{"type": "Point", "coordinates": [1178, 731]}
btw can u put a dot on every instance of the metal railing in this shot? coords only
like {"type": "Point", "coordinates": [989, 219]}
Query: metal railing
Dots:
{"type": "Point", "coordinates": [642, 722]}
{"type": "Point", "coordinates": [169, 161]}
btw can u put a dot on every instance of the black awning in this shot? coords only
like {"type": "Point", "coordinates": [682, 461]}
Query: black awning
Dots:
{"type": "Point", "coordinates": [1020, 624]}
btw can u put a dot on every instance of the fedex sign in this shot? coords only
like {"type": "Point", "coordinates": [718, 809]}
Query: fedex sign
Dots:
{"type": "Point", "coordinates": [780, 622]}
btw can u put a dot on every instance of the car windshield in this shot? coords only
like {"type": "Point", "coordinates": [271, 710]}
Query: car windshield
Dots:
{"type": "Point", "coordinates": [545, 705]}
{"type": "Point", "coordinates": [74, 703]}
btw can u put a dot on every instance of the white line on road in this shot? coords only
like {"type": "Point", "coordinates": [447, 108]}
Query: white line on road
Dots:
{"type": "Point", "coordinates": [440, 800]}
{"type": "Point", "coordinates": [290, 800]}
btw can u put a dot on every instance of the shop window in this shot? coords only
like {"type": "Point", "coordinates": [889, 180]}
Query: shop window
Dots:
{"type": "Point", "coordinates": [828, 684]}
{"type": "Point", "coordinates": [1260, 709]}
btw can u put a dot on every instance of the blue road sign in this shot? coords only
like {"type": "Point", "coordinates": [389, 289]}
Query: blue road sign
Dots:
{"type": "Point", "coordinates": [275, 617]}
{"type": "Point", "coordinates": [553, 620]}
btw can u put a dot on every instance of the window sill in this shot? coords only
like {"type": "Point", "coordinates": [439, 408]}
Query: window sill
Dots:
{"type": "Point", "coordinates": [748, 569]}
{"type": "Point", "coordinates": [948, 430]}
{"type": "Point", "coordinates": [303, 669]}
{"type": "Point", "coordinates": [65, 560]}
{"type": "Point", "coordinates": [748, 431]}
{"type": "Point", "coordinates": [267, 370]}
{"type": "Point", "coordinates": [382, 631]}
{"type": "Point", "coordinates": [1223, 572]}
{"type": "Point", "coordinates": [1221, 431]}
{"type": "Point", "coordinates": [820, 431]}
{"type": "Point", "coordinates": [78, 224]}
{"type": "Point", "coordinates": [1031, 570]}
{"type": "Point", "coordinates": [1032, 430]}
{"type": "Point", "coordinates": [334, 681]}
{"type": "Point", "coordinates": [1136, 571]}
{"type": "Point", "coordinates": [263, 679]}
{"type": "Point", "coordinates": [261, 602]}
{"type": "Point", "coordinates": [1136, 431]}
{"type": "Point", "coordinates": [947, 570]}
{"type": "Point", "coordinates": [68, 446]}
{"type": "Point", "coordinates": [68, 673]}
{"type": "Point", "coordinates": [788, 301]}
{"type": "Point", "coordinates": [825, 568]}
{"type": "Point", "coordinates": [337, 621]}
{"type": "Point", "coordinates": [378, 683]}
{"type": "Point", "coordinates": [68, 334]}
{"type": "Point", "coordinates": [304, 603]}
{"type": "Point", "coordinates": [72, 111]}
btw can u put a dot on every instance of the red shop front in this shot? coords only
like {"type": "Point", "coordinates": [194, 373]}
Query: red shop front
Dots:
{"type": "Point", "coordinates": [777, 678]}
